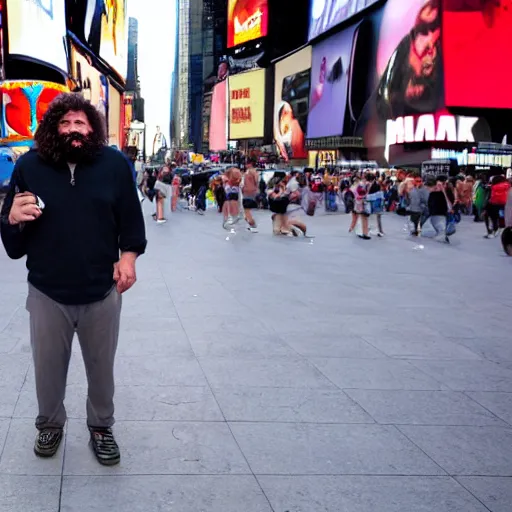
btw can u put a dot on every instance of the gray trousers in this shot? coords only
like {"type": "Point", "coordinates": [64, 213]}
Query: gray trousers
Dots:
{"type": "Point", "coordinates": [52, 327]}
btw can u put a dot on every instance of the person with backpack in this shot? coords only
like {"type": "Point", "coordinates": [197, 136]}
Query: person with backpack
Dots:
{"type": "Point", "coordinates": [496, 205]}
{"type": "Point", "coordinates": [316, 192]}
{"type": "Point", "coordinates": [506, 236]}
{"type": "Point", "coordinates": [480, 197]}
{"type": "Point", "coordinates": [376, 200]}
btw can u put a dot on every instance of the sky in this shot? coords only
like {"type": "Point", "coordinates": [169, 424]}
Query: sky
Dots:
{"type": "Point", "coordinates": [157, 37]}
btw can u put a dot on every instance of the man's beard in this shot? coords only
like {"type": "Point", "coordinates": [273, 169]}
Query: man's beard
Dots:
{"type": "Point", "coordinates": [85, 151]}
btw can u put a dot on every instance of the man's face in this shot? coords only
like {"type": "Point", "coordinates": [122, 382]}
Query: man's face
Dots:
{"type": "Point", "coordinates": [418, 182]}
{"type": "Point", "coordinates": [75, 133]}
{"type": "Point", "coordinates": [75, 123]}
{"type": "Point", "coordinates": [425, 44]}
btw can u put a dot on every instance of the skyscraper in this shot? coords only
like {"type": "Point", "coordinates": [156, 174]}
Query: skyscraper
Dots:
{"type": "Point", "coordinates": [133, 39]}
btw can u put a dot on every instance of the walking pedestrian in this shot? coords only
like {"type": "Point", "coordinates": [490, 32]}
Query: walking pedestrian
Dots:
{"type": "Point", "coordinates": [376, 200]}
{"type": "Point", "coordinates": [231, 207]}
{"type": "Point", "coordinates": [438, 209]}
{"type": "Point", "coordinates": [418, 202]}
{"type": "Point", "coordinates": [496, 206]}
{"type": "Point", "coordinates": [72, 210]}
{"type": "Point", "coordinates": [250, 192]}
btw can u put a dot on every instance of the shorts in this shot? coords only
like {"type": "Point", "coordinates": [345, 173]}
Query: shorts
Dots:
{"type": "Point", "coordinates": [250, 203]}
{"type": "Point", "coordinates": [232, 193]}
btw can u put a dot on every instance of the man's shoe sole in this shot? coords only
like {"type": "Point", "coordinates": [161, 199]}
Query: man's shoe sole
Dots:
{"type": "Point", "coordinates": [46, 455]}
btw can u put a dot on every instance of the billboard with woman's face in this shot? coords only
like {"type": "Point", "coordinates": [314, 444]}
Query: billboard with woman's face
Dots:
{"type": "Point", "coordinates": [291, 104]}
{"type": "Point", "coordinates": [404, 63]}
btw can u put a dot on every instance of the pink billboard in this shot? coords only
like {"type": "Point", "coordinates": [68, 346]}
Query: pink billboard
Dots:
{"type": "Point", "coordinates": [219, 118]}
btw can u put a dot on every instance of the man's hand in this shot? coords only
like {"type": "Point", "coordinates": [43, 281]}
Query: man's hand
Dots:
{"type": "Point", "coordinates": [24, 209]}
{"type": "Point", "coordinates": [124, 271]}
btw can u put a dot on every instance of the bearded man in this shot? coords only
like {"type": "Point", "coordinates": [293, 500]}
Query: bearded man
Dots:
{"type": "Point", "coordinates": [72, 209]}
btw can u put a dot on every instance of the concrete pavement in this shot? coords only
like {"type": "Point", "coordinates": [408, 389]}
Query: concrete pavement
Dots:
{"type": "Point", "coordinates": [261, 374]}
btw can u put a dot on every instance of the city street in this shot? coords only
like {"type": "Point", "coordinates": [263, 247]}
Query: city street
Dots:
{"type": "Point", "coordinates": [265, 374]}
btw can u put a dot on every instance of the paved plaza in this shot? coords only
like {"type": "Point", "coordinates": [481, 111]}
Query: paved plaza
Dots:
{"type": "Point", "coordinates": [264, 374]}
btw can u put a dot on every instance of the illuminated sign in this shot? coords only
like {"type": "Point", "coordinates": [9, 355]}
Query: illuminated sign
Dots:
{"type": "Point", "coordinates": [247, 105]}
{"type": "Point", "coordinates": [219, 118]}
{"type": "Point", "coordinates": [326, 14]}
{"type": "Point", "coordinates": [429, 128]}
{"type": "Point", "coordinates": [114, 39]}
{"type": "Point", "coordinates": [37, 29]}
{"type": "Point", "coordinates": [247, 20]}
{"type": "Point", "coordinates": [24, 104]}
{"type": "Point", "coordinates": [291, 104]}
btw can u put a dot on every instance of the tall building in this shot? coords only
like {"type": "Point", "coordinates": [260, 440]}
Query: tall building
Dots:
{"type": "Point", "coordinates": [183, 77]}
{"type": "Point", "coordinates": [135, 130]}
{"type": "Point", "coordinates": [200, 43]}
{"type": "Point", "coordinates": [196, 51]}
{"type": "Point", "coordinates": [133, 41]}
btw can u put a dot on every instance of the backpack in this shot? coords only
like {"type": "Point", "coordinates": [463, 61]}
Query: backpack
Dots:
{"type": "Point", "coordinates": [317, 184]}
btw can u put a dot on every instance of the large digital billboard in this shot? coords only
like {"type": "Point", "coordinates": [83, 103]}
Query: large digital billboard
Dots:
{"type": "Point", "coordinates": [477, 50]}
{"type": "Point", "coordinates": [24, 104]}
{"type": "Point", "coordinates": [247, 105]}
{"type": "Point", "coordinates": [114, 35]}
{"type": "Point", "coordinates": [37, 30]}
{"type": "Point", "coordinates": [219, 117]}
{"type": "Point", "coordinates": [93, 85]}
{"type": "Point", "coordinates": [403, 71]}
{"type": "Point", "coordinates": [291, 104]}
{"type": "Point", "coordinates": [330, 69]}
{"type": "Point", "coordinates": [247, 20]}
{"type": "Point", "coordinates": [326, 14]}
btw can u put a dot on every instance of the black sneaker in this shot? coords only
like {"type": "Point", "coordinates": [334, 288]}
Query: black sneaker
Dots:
{"type": "Point", "coordinates": [365, 237]}
{"type": "Point", "coordinates": [48, 442]}
{"type": "Point", "coordinates": [104, 446]}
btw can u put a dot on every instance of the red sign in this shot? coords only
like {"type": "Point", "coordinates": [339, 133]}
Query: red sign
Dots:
{"type": "Point", "coordinates": [24, 105]}
{"type": "Point", "coordinates": [477, 49]}
{"type": "Point", "coordinates": [247, 20]}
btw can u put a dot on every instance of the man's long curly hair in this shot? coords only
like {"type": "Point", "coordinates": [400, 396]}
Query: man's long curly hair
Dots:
{"type": "Point", "coordinates": [47, 136]}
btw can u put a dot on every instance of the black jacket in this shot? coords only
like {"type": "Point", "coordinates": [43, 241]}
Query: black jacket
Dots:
{"type": "Point", "coordinates": [437, 204]}
{"type": "Point", "coordinates": [71, 249]}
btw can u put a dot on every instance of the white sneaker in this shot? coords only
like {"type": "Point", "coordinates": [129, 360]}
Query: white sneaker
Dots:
{"type": "Point", "coordinates": [252, 229]}
{"type": "Point", "coordinates": [228, 223]}
{"type": "Point", "coordinates": [161, 221]}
